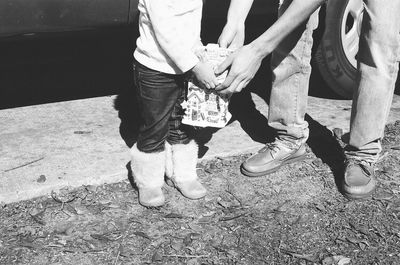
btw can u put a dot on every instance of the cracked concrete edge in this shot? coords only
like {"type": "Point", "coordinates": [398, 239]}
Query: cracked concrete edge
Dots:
{"type": "Point", "coordinates": [35, 191]}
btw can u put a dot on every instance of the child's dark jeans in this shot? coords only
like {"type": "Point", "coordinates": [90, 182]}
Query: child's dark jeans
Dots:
{"type": "Point", "coordinates": [159, 98]}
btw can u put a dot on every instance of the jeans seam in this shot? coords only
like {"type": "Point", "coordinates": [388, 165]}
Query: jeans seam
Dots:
{"type": "Point", "coordinates": [393, 76]}
{"type": "Point", "coordinates": [302, 67]}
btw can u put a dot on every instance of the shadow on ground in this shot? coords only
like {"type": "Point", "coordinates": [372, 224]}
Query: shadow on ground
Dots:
{"type": "Point", "coordinates": [325, 145]}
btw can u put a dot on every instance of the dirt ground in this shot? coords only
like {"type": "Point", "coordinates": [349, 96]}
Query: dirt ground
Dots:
{"type": "Point", "coordinates": [294, 216]}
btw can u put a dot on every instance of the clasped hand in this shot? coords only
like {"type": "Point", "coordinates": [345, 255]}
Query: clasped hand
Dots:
{"type": "Point", "coordinates": [242, 66]}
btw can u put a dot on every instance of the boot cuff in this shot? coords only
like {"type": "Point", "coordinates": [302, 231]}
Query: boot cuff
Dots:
{"type": "Point", "coordinates": [147, 168]}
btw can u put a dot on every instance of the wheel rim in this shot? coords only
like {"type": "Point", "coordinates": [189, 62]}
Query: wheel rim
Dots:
{"type": "Point", "coordinates": [351, 27]}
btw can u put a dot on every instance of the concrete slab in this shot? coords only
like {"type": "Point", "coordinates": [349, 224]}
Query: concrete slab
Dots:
{"type": "Point", "coordinates": [48, 147]}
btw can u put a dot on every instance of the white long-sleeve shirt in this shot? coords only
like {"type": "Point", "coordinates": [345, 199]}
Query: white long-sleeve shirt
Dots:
{"type": "Point", "coordinates": [169, 32]}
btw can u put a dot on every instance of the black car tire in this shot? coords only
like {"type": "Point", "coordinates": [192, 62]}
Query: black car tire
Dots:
{"type": "Point", "coordinates": [335, 56]}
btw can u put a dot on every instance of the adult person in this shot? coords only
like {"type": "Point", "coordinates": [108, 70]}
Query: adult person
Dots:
{"type": "Point", "coordinates": [290, 40]}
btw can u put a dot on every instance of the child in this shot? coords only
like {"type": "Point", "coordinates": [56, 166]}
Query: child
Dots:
{"type": "Point", "coordinates": [169, 34]}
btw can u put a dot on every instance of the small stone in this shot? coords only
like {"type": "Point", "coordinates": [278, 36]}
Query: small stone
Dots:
{"type": "Point", "coordinates": [41, 179]}
{"type": "Point", "coordinates": [338, 133]}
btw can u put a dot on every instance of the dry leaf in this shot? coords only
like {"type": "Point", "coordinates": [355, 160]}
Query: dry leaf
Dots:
{"type": "Point", "coordinates": [177, 245]}
{"type": "Point", "coordinates": [336, 260]}
{"type": "Point", "coordinates": [193, 262]}
{"type": "Point", "coordinates": [142, 234]}
{"type": "Point", "coordinates": [195, 227]}
{"type": "Point", "coordinates": [156, 257]}
{"type": "Point", "coordinates": [205, 219]}
{"type": "Point", "coordinates": [173, 215]}
{"type": "Point", "coordinates": [81, 210]}
{"type": "Point", "coordinates": [63, 228]}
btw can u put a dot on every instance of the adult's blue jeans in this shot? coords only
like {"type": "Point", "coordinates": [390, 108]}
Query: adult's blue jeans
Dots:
{"type": "Point", "coordinates": [291, 72]}
{"type": "Point", "coordinates": [159, 98]}
{"type": "Point", "coordinates": [378, 61]}
{"type": "Point", "coordinates": [378, 65]}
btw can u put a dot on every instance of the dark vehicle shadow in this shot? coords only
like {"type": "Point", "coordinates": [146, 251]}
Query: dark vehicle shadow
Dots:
{"type": "Point", "coordinates": [54, 69]}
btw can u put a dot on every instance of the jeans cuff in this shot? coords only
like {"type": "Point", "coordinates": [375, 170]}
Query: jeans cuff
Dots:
{"type": "Point", "coordinates": [291, 141]}
{"type": "Point", "coordinates": [352, 152]}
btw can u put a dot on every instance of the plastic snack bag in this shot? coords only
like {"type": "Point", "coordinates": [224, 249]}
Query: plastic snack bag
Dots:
{"type": "Point", "coordinates": [207, 108]}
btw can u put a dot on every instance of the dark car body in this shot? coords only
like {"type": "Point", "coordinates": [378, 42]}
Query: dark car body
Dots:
{"type": "Point", "coordinates": [34, 18]}
{"type": "Point", "coordinates": [28, 27]}
{"type": "Point", "coordinates": [57, 50]}
{"type": "Point", "coordinates": [20, 18]}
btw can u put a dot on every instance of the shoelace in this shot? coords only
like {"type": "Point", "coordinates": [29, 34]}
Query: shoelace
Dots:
{"type": "Point", "coordinates": [364, 165]}
{"type": "Point", "coordinates": [274, 147]}
{"type": "Point", "coordinates": [270, 146]}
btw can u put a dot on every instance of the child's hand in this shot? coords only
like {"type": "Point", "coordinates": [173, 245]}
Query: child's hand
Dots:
{"type": "Point", "coordinates": [204, 73]}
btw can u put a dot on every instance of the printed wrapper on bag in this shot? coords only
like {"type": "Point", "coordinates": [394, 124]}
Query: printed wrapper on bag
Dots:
{"type": "Point", "coordinates": [206, 108]}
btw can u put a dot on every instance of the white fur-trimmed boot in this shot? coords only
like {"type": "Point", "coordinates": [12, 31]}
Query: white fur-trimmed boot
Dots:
{"type": "Point", "coordinates": [148, 173]}
{"type": "Point", "coordinates": [180, 169]}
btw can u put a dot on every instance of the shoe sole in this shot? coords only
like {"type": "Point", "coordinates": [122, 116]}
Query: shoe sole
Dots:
{"type": "Point", "coordinates": [354, 196]}
{"type": "Point", "coordinates": [351, 196]}
{"type": "Point", "coordinates": [172, 184]}
{"type": "Point", "coordinates": [272, 170]}
{"type": "Point", "coordinates": [154, 205]}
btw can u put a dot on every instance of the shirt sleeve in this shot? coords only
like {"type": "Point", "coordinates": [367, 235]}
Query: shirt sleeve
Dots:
{"type": "Point", "coordinates": [168, 28]}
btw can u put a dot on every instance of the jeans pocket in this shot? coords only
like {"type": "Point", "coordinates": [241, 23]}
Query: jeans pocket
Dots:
{"type": "Point", "coordinates": [156, 86]}
{"type": "Point", "coordinates": [148, 88]}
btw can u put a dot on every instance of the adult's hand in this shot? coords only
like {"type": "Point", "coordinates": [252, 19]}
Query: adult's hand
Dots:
{"type": "Point", "coordinates": [232, 36]}
{"type": "Point", "coordinates": [244, 64]}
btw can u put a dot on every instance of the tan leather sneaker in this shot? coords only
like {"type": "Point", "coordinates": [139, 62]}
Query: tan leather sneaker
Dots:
{"type": "Point", "coordinates": [271, 157]}
{"type": "Point", "coordinates": [359, 179]}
